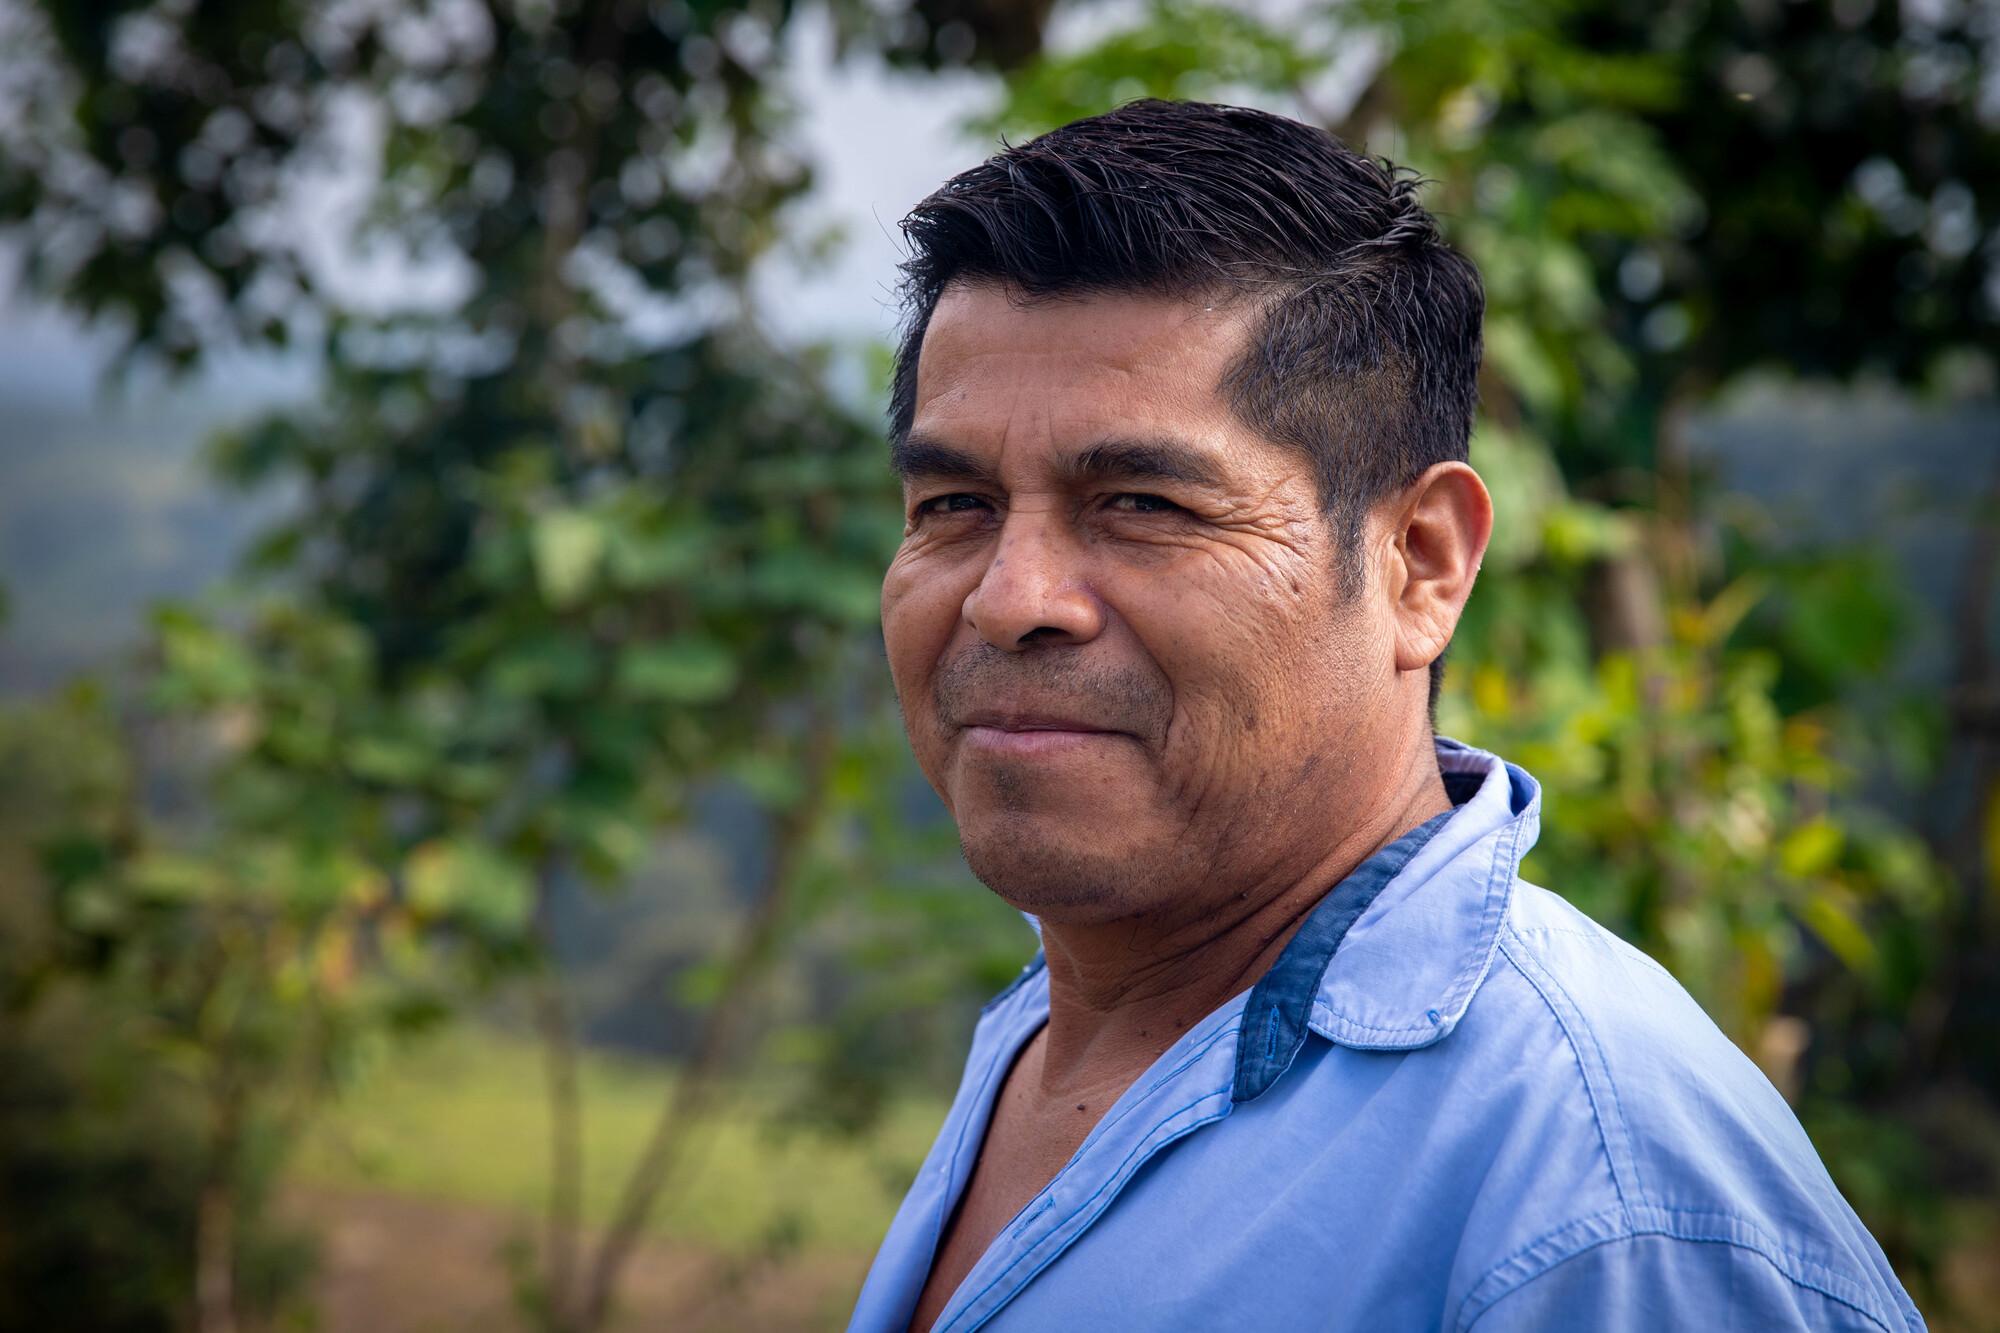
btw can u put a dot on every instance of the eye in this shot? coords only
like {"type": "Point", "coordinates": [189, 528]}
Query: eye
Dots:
{"type": "Point", "coordinates": [1139, 503]}
{"type": "Point", "coordinates": [957, 503]}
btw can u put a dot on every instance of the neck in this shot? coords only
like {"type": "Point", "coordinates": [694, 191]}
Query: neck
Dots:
{"type": "Point", "coordinates": [1122, 992]}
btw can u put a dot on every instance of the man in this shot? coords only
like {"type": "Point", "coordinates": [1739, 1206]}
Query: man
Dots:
{"type": "Point", "coordinates": [1181, 417]}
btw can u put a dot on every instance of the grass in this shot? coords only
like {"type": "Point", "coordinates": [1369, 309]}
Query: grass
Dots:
{"type": "Point", "coordinates": [461, 1116]}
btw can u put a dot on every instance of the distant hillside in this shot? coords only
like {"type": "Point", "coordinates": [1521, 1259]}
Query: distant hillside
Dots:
{"type": "Point", "coordinates": [105, 506]}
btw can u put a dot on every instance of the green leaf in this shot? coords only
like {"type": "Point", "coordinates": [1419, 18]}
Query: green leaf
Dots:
{"type": "Point", "coordinates": [465, 879]}
{"type": "Point", "coordinates": [688, 670]}
{"type": "Point", "coordinates": [1526, 487]}
{"type": "Point", "coordinates": [842, 592]}
{"type": "Point", "coordinates": [561, 665]}
{"type": "Point", "coordinates": [1836, 926]}
{"type": "Point", "coordinates": [569, 546]}
{"type": "Point", "coordinates": [1811, 849]}
{"type": "Point", "coordinates": [387, 759]}
{"type": "Point", "coordinates": [772, 779]}
{"type": "Point", "coordinates": [165, 877]}
{"type": "Point", "coordinates": [650, 560]}
{"type": "Point", "coordinates": [1513, 350]}
{"type": "Point", "coordinates": [202, 663]}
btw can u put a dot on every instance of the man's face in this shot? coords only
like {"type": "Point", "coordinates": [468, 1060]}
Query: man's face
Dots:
{"type": "Point", "coordinates": [1116, 622]}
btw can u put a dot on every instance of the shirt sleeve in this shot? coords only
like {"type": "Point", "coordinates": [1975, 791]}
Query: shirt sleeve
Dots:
{"type": "Point", "coordinates": [1644, 1283]}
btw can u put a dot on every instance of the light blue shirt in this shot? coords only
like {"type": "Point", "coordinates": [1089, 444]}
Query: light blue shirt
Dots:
{"type": "Point", "coordinates": [1484, 1112]}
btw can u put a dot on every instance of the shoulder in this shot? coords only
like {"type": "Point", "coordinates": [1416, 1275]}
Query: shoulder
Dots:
{"type": "Point", "coordinates": [1708, 1168]}
{"type": "Point", "coordinates": [1687, 1119]}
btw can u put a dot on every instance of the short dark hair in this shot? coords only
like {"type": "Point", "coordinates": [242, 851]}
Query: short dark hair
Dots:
{"type": "Point", "coordinates": [1366, 358]}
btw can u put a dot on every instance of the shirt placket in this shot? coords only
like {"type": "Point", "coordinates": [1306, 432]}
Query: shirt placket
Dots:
{"type": "Point", "coordinates": [1192, 1089]}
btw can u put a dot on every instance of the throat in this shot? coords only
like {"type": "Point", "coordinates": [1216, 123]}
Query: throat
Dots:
{"type": "Point", "coordinates": [1120, 999]}
{"type": "Point", "coordinates": [1122, 993]}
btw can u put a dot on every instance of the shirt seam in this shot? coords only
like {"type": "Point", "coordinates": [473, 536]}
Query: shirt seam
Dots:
{"type": "Point", "coordinates": [1625, 1177]}
{"type": "Point", "coordinates": [1335, 1023]}
{"type": "Point", "coordinates": [1795, 1268]}
{"type": "Point", "coordinates": [1548, 988]}
{"type": "Point", "coordinates": [1595, 937]}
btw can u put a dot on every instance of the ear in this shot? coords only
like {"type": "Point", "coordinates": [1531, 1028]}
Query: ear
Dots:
{"type": "Point", "coordinates": [1439, 527]}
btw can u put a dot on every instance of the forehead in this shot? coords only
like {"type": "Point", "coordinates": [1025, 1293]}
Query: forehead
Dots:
{"type": "Point", "coordinates": [997, 371]}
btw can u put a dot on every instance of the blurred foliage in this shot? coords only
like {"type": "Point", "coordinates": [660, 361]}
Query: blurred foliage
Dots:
{"type": "Point", "coordinates": [571, 540]}
{"type": "Point", "coordinates": [1798, 185]}
{"type": "Point", "coordinates": [127, 1005]}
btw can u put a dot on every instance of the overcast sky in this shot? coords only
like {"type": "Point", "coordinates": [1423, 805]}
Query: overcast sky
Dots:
{"type": "Point", "coordinates": [879, 141]}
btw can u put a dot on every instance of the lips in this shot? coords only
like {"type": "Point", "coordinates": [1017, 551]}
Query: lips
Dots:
{"type": "Point", "coordinates": [1017, 735]}
{"type": "Point", "coordinates": [1018, 723]}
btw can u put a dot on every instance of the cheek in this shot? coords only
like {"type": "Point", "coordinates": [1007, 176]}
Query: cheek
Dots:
{"type": "Point", "coordinates": [1257, 662]}
{"type": "Point", "coordinates": [1240, 616]}
{"type": "Point", "coordinates": [919, 615]}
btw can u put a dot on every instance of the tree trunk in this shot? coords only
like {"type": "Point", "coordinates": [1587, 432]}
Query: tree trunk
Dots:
{"type": "Point", "coordinates": [1965, 793]}
{"type": "Point", "coordinates": [215, 1244]}
{"type": "Point", "coordinates": [1975, 701]}
{"type": "Point", "coordinates": [1627, 612]}
{"type": "Point", "coordinates": [215, 1222]}
{"type": "Point", "coordinates": [698, 1083]}
{"type": "Point", "coordinates": [562, 1252]}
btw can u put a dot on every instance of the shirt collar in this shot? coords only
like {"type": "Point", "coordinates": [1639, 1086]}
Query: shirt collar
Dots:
{"type": "Point", "coordinates": [1277, 1012]}
{"type": "Point", "coordinates": [1410, 964]}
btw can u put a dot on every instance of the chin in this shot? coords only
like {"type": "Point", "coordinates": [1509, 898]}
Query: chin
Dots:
{"type": "Point", "coordinates": [1063, 874]}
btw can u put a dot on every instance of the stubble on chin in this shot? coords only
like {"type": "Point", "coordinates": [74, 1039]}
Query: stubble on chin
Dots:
{"type": "Point", "coordinates": [1028, 870]}
{"type": "Point", "coordinates": [1069, 871]}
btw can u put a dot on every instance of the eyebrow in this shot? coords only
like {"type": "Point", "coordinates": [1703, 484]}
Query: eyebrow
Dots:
{"type": "Point", "coordinates": [917, 458]}
{"type": "Point", "coordinates": [1141, 460]}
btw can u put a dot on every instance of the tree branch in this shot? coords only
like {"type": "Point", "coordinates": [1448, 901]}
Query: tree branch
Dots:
{"type": "Point", "coordinates": [563, 1254]}
{"type": "Point", "coordinates": [695, 1089]}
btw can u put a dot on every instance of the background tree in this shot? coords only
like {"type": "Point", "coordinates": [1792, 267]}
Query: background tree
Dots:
{"type": "Point", "coordinates": [568, 543]}
{"type": "Point", "coordinates": [1839, 163]}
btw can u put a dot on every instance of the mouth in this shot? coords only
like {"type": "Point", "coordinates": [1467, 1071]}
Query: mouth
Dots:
{"type": "Point", "coordinates": [1030, 734]}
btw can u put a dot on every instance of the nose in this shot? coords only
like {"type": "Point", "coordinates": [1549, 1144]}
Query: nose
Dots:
{"type": "Point", "coordinates": [1034, 591]}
